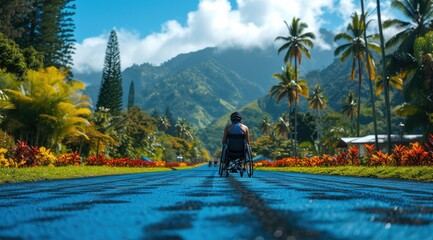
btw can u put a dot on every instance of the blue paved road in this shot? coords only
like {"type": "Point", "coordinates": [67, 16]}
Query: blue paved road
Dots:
{"type": "Point", "coordinates": [198, 204]}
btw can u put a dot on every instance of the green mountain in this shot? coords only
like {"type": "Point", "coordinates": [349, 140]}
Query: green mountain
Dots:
{"type": "Point", "coordinates": [200, 92]}
{"type": "Point", "coordinates": [205, 85]}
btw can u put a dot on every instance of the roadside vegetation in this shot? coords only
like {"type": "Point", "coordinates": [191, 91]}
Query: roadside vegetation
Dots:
{"type": "Point", "coordinates": [11, 175]}
{"type": "Point", "coordinates": [50, 129]}
{"type": "Point", "coordinates": [411, 163]}
{"type": "Point", "coordinates": [422, 173]}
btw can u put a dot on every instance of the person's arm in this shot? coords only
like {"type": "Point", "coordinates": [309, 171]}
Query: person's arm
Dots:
{"type": "Point", "coordinates": [225, 135]}
{"type": "Point", "coordinates": [247, 134]}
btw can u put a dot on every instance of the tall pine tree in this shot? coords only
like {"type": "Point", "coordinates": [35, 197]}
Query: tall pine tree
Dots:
{"type": "Point", "coordinates": [110, 93]}
{"type": "Point", "coordinates": [131, 97]}
{"type": "Point", "coordinates": [45, 25]}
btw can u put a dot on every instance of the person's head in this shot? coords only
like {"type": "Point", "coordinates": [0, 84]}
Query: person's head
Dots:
{"type": "Point", "coordinates": [236, 117]}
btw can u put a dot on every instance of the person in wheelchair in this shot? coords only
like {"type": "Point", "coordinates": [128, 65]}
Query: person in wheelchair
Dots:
{"type": "Point", "coordinates": [236, 128]}
{"type": "Point", "coordinates": [236, 137]}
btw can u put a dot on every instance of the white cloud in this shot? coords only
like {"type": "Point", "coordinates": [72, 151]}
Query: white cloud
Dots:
{"type": "Point", "coordinates": [254, 23]}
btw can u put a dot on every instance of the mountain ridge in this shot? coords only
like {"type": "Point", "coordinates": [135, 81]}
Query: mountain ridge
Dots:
{"type": "Point", "coordinates": [202, 86]}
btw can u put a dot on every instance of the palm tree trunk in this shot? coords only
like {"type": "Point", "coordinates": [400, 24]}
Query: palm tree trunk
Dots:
{"type": "Point", "coordinates": [385, 79]}
{"type": "Point", "coordinates": [296, 107]}
{"type": "Point", "coordinates": [367, 58]}
{"type": "Point", "coordinates": [317, 130]}
{"type": "Point", "coordinates": [359, 95]}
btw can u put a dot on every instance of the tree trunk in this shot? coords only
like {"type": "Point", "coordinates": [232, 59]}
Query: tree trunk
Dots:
{"type": "Point", "coordinates": [296, 107]}
{"type": "Point", "coordinates": [385, 80]}
{"type": "Point", "coordinates": [359, 93]}
{"type": "Point", "coordinates": [367, 58]}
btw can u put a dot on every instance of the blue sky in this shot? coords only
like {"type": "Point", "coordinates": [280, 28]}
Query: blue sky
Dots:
{"type": "Point", "coordinates": [155, 31]}
{"type": "Point", "coordinates": [94, 17]}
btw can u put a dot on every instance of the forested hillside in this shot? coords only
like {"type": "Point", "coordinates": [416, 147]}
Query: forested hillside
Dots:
{"type": "Point", "coordinates": [204, 85]}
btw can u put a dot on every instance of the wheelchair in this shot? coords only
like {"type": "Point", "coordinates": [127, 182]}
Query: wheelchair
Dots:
{"type": "Point", "coordinates": [236, 156]}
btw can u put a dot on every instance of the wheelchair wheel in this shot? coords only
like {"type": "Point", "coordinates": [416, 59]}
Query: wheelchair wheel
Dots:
{"type": "Point", "coordinates": [223, 164]}
{"type": "Point", "coordinates": [249, 165]}
{"type": "Point", "coordinates": [222, 168]}
{"type": "Point", "coordinates": [249, 168]}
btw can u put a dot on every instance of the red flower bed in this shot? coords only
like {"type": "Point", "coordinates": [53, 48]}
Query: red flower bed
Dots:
{"type": "Point", "coordinates": [68, 159]}
{"type": "Point", "coordinates": [96, 160]}
{"type": "Point", "coordinates": [101, 160]}
{"type": "Point", "coordinates": [414, 155]}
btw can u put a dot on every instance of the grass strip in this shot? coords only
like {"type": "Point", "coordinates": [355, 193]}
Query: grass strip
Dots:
{"type": "Point", "coordinates": [48, 173]}
{"type": "Point", "coordinates": [407, 173]}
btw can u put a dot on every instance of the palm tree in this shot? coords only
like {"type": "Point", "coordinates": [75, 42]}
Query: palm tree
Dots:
{"type": "Point", "coordinates": [163, 123]}
{"type": "Point", "coordinates": [317, 101]}
{"type": "Point", "coordinates": [285, 87]}
{"type": "Point", "coordinates": [419, 89]}
{"type": "Point", "coordinates": [183, 129]}
{"type": "Point", "coordinates": [350, 108]}
{"type": "Point", "coordinates": [288, 87]}
{"type": "Point", "coordinates": [69, 123]}
{"type": "Point", "coordinates": [282, 127]}
{"type": "Point", "coordinates": [356, 48]}
{"type": "Point", "coordinates": [419, 14]}
{"type": "Point", "coordinates": [416, 23]}
{"type": "Point", "coordinates": [265, 125]}
{"type": "Point", "coordinates": [5, 104]}
{"type": "Point", "coordinates": [47, 108]}
{"type": "Point", "coordinates": [393, 81]}
{"type": "Point", "coordinates": [296, 44]}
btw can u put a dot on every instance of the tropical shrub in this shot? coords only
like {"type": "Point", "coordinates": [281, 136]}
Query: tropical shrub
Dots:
{"type": "Point", "coordinates": [353, 156]}
{"type": "Point", "coordinates": [369, 150]}
{"type": "Point", "coordinates": [68, 159]}
{"type": "Point", "coordinates": [328, 161]}
{"type": "Point", "coordinates": [416, 156]}
{"type": "Point", "coordinates": [8, 162]}
{"type": "Point", "coordinates": [26, 154]}
{"type": "Point", "coordinates": [398, 155]}
{"type": "Point", "coordinates": [341, 159]}
{"type": "Point", "coordinates": [96, 160]}
{"type": "Point", "coordinates": [379, 159]}
{"type": "Point", "coordinates": [44, 157]}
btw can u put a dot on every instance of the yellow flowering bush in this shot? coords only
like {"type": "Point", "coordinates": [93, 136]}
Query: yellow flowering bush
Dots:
{"type": "Point", "coordinates": [45, 157]}
{"type": "Point", "coordinates": [8, 162]}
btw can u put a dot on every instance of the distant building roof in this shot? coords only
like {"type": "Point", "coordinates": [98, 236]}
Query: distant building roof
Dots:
{"type": "Point", "coordinates": [381, 138]}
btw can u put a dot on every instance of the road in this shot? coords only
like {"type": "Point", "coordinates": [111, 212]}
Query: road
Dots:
{"type": "Point", "coordinates": [198, 204]}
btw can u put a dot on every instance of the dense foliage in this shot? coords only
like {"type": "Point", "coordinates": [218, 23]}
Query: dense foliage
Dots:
{"type": "Point", "coordinates": [47, 26]}
{"type": "Point", "coordinates": [24, 155]}
{"type": "Point", "coordinates": [46, 111]}
{"type": "Point", "coordinates": [42, 106]}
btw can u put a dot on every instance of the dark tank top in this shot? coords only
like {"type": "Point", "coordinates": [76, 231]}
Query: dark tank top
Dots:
{"type": "Point", "coordinates": [236, 129]}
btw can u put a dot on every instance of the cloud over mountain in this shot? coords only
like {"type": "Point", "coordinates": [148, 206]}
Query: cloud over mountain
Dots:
{"type": "Point", "coordinates": [216, 23]}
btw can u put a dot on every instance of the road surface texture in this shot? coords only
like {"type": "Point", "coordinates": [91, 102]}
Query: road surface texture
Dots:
{"type": "Point", "coordinates": [198, 204]}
